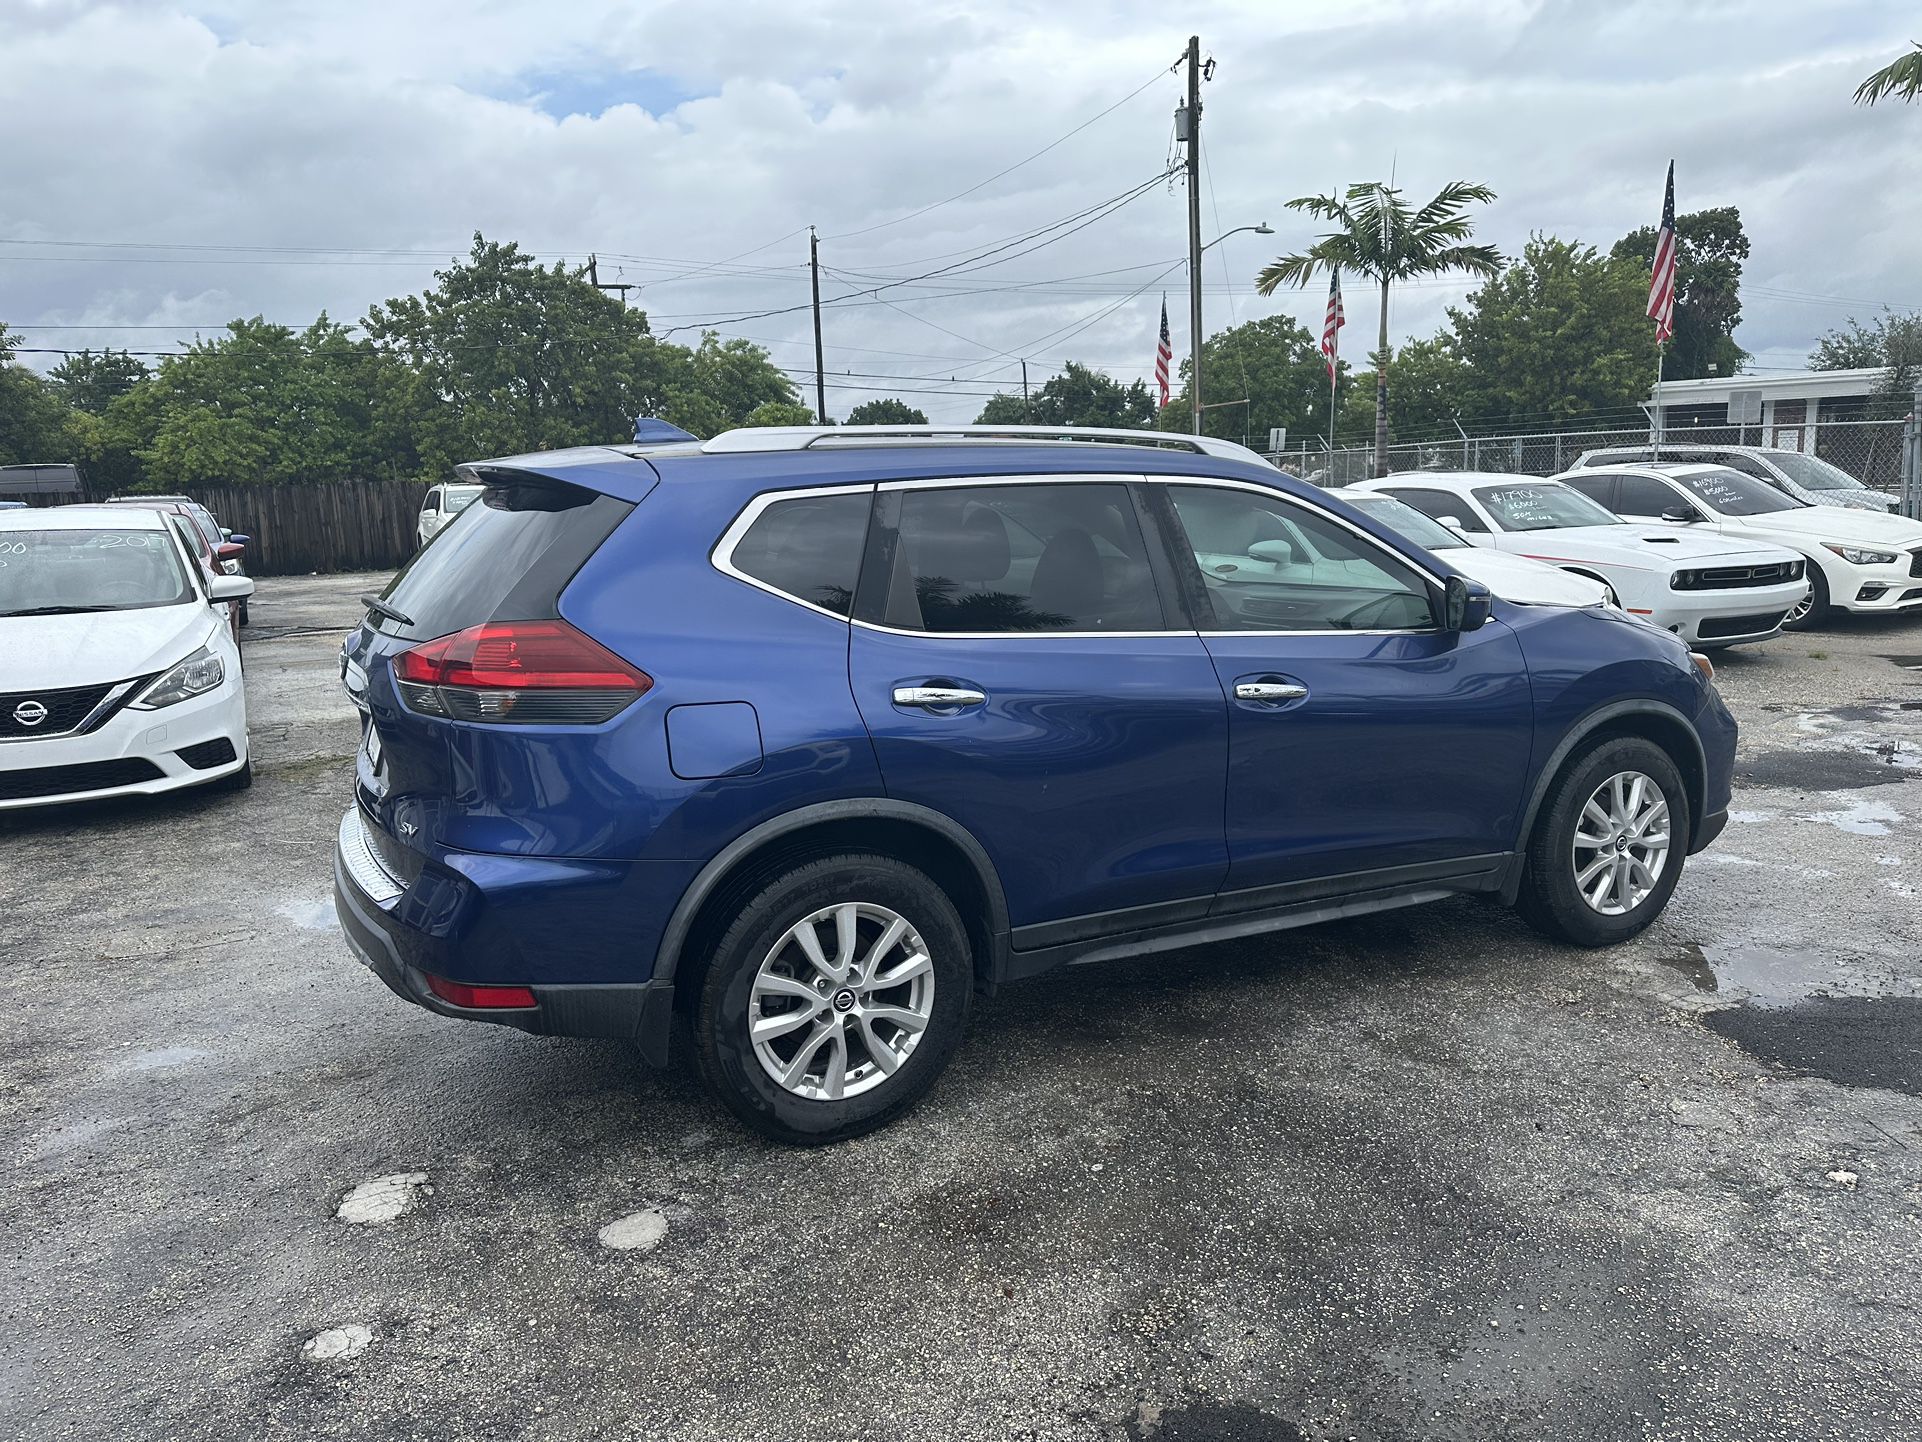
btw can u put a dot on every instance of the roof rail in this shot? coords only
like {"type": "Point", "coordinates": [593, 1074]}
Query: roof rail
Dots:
{"type": "Point", "coordinates": [801, 438]}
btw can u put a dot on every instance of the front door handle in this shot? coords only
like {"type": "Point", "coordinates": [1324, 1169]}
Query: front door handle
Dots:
{"type": "Point", "coordinates": [1269, 691]}
{"type": "Point", "coordinates": [938, 697]}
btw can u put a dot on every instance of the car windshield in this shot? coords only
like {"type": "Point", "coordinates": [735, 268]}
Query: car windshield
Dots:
{"type": "Point", "coordinates": [51, 573]}
{"type": "Point", "coordinates": [1405, 520]}
{"type": "Point", "coordinates": [1542, 506]}
{"type": "Point", "coordinates": [1733, 494]}
{"type": "Point", "coordinates": [1812, 473]}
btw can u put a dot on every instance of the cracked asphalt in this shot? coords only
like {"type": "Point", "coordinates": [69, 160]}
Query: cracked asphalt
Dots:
{"type": "Point", "coordinates": [1418, 1175]}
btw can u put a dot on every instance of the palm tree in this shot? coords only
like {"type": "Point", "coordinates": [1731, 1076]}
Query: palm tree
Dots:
{"type": "Point", "coordinates": [1901, 77]}
{"type": "Point", "coordinates": [1378, 236]}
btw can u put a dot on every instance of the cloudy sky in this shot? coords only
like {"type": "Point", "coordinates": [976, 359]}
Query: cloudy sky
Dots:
{"type": "Point", "coordinates": [170, 166]}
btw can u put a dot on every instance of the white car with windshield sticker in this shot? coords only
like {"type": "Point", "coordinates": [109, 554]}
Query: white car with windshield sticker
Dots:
{"type": "Point", "coordinates": [122, 675]}
{"type": "Point", "coordinates": [1708, 590]}
{"type": "Point", "coordinates": [1858, 560]}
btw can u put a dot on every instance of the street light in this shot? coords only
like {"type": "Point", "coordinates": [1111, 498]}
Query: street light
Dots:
{"type": "Point", "coordinates": [1194, 310]}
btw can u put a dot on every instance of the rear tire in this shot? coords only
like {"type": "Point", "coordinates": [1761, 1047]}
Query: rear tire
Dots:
{"type": "Point", "coordinates": [235, 780]}
{"type": "Point", "coordinates": [1818, 603]}
{"type": "Point", "coordinates": [855, 1055]}
{"type": "Point", "coordinates": [1589, 894]}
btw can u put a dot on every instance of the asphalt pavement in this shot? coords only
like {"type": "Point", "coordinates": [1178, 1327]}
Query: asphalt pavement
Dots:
{"type": "Point", "coordinates": [1419, 1175]}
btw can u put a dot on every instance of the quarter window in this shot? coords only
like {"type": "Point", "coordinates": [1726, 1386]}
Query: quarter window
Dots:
{"type": "Point", "coordinates": [1020, 558]}
{"type": "Point", "coordinates": [1269, 566]}
{"type": "Point", "coordinates": [809, 547]}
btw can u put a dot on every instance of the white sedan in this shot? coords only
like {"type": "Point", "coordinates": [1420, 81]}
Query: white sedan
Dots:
{"type": "Point", "coordinates": [1513, 578]}
{"type": "Point", "coordinates": [122, 676]}
{"type": "Point", "coordinates": [1708, 590]}
{"type": "Point", "coordinates": [1858, 560]}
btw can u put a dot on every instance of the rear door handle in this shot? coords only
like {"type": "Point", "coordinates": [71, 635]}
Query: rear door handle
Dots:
{"type": "Point", "coordinates": [1269, 691]}
{"type": "Point", "coordinates": [938, 697]}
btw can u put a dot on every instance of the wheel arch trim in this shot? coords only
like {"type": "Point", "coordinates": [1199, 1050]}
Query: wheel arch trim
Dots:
{"type": "Point", "coordinates": [680, 923]}
{"type": "Point", "coordinates": [1576, 734]}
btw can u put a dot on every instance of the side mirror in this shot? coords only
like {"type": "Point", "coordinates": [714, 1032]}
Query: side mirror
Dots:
{"type": "Point", "coordinates": [237, 539]}
{"type": "Point", "coordinates": [1278, 553]}
{"type": "Point", "coordinates": [1454, 523]}
{"type": "Point", "coordinates": [230, 588]}
{"type": "Point", "coordinates": [1465, 605]}
{"type": "Point", "coordinates": [229, 550]}
{"type": "Point", "coordinates": [1681, 514]}
{"type": "Point", "coordinates": [225, 534]}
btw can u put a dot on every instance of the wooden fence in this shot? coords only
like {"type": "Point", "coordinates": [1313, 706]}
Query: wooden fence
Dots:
{"type": "Point", "coordinates": [337, 526]}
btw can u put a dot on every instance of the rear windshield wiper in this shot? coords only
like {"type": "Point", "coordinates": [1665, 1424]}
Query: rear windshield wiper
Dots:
{"type": "Point", "coordinates": [381, 608]}
{"type": "Point", "coordinates": [57, 610]}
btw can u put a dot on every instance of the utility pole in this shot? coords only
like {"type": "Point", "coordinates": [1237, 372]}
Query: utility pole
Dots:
{"type": "Point", "coordinates": [594, 279]}
{"type": "Point", "coordinates": [1193, 137]}
{"type": "Point", "coordinates": [1027, 411]}
{"type": "Point", "coordinates": [820, 376]}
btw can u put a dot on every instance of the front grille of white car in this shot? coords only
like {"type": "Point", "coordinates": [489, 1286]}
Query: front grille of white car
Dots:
{"type": "Point", "coordinates": [1729, 578]}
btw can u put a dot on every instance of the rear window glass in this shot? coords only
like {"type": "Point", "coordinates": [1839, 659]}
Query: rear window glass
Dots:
{"type": "Point", "coordinates": [509, 559]}
{"type": "Point", "coordinates": [809, 548]}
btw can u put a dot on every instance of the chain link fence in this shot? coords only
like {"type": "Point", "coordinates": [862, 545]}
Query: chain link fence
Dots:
{"type": "Point", "coordinates": [1877, 453]}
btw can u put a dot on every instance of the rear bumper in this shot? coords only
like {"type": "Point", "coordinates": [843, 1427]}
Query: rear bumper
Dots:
{"type": "Point", "coordinates": [403, 934]}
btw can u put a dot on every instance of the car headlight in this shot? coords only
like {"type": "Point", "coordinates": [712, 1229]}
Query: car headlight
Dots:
{"type": "Point", "coordinates": [1857, 556]}
{"type": "Point", "coordinates": [195, 676]}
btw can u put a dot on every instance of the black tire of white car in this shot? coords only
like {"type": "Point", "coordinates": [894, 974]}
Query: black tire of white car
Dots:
{"type": "Point", "coordinates": [1550, 901]}
{"type": "Point", "coordinates": [726, 1051]}
{"type": "Point", "coordinates": [1818, 611]}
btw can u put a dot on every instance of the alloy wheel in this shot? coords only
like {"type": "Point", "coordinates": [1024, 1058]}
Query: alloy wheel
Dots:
{"type": "Point", "coordinates": [1800, 610]}
{"type": "Point", "coordinates": [840, 1001]}
{"type": "Point", "coordinates": [1621, 843]}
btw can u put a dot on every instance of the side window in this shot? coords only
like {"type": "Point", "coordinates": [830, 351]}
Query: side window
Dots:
{"type": "Point", "coordinates": [190, 540]}
{"type": "Point", "coordinates": [432, 503]}
{"type": "Point", "coordinates": [808, 548]}
{"type": "Point", "coordinates": [1436, 504]}
{"type": "Point", "coordinates": [1025, 557]}
{"type": "Point", "coordinates": [1738, 461]}
{"type": "Point", "coordinates": [1268, 565]}
{"type": "Point", "coordinates": [1644, 496]}
{"type": "Point", "coordinates": [1599, 489]}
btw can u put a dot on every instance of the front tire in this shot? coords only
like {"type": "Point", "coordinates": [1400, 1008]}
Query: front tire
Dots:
{"type": "Point", "coordinates": [1815, 610]}
{"type": "Point", "coordinates": [835, 999]}
{"type": "Point", "coordinates": [1608, 847]}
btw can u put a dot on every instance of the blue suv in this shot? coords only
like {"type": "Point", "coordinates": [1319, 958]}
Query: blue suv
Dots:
{"type": "Point", "coordinates": [805, 737]}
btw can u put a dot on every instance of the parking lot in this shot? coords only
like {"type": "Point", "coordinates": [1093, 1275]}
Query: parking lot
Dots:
{"type": "Point", "coordinates": [1418, 1175]}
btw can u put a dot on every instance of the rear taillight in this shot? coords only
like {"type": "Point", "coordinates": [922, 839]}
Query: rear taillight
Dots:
{"type": "Point", "coordinates": [523, 673]}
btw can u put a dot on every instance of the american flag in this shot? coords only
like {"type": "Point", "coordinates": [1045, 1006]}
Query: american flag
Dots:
{"type": "Point", "coordinates": [1661, 282]}
{"type": "Point", "coordinates": [1163, 354]}
{"type": "Point", "coordinates": [1332, 323]}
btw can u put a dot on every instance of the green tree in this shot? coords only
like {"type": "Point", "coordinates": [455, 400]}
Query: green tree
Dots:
{"type": "Point", "coordinates": [1077, 396]}
{"type": "Point", "coordinates": [886, 411]}
{"type": "Point", "coordinates": [780, 413]}
{"type": "Point", "coordinates": [1901, 77]}
{"type": "Point", "coordinates": [1710, 246]}
{"type": "Point", "coordinates": [1892, 340]}
{"type": "Point", "coordinates": [1272, 363]}
{"type": "Point", "coordinates": [1558, 334]}
{"type": "Point", "coordinates": [1378, 235]}
{"type": "Point", "coordinates": [92, 380]}
{"type": "Point", "coordinates": [33, 423]}
{"type": "Point", "coordinates": [259, 405]}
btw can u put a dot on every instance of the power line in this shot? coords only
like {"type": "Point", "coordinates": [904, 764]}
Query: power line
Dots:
{"type": "Point", "coordinates": [963, 194]}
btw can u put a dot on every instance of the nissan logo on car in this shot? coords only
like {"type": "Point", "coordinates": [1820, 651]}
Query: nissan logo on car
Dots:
{"type": "Point", "coordinates": [30, 713]}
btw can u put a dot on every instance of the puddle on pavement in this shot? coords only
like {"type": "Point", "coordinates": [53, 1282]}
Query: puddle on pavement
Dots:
{"type": "Point", "coordinates": [1829, 770]}
{"type": "Point", "coordinates": [1764, 977]}
{"type": "Point", "coordinates": [1853, 1022]}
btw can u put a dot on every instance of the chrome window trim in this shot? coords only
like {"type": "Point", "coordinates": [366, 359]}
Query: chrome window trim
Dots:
{"type": "Point", "coordinates": [721, 557]}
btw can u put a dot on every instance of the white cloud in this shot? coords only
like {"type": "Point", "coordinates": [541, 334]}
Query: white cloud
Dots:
{"type": "Point", "coordinates": [405, 127]}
